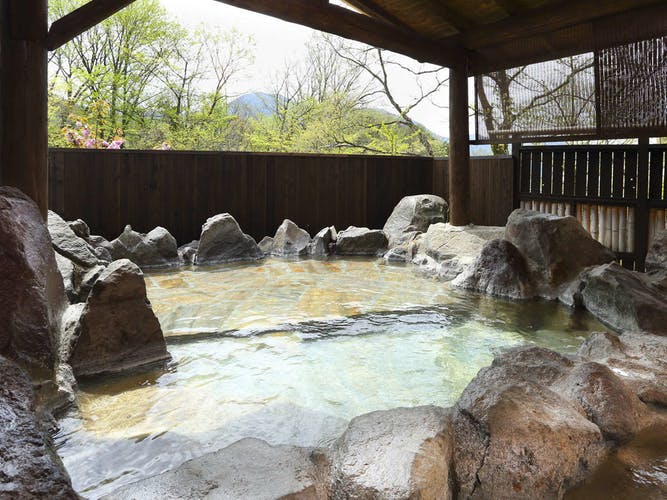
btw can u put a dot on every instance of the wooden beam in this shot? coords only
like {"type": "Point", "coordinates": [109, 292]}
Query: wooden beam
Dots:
{"type": "Point", "coordinates": [536, 21]}
{"type": "Point", "coordinates": [82, 19]}
{"type": "Point", "coordinates": [610, 31]}
{"type": "Point", "coordinates": [459, 147]}
{"type": "Point", "coordinates": [348, 24]}
{"type": "Point", "coordinates": [23, 98]}
{"type": "Point", "coordinates": [372, 9]}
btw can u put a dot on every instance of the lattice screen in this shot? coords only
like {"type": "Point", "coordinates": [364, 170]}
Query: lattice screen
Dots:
{"type": "Point", "coordinates": [612, 93]}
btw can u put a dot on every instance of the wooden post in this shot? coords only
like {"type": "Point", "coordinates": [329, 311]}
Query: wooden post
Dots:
{"type": "Point", "coordinates": [23, 98]}
{"type": "Point", "coordinates": [641, 217]}
{"type": "Point", "coordinates": [459, 146]}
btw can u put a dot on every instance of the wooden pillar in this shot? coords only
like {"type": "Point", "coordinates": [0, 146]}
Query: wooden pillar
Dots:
{"type": "Point", "coordinates": [459, 147]}
{"type": "Point", "coordinates": [23, 98]}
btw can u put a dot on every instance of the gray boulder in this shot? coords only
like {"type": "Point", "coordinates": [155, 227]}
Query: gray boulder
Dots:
{"type": "Point", "coordinates": [32, 297]}
{"type": "Point", "coordinates": [223, 241]}
{"type": "Point", "coordinates": [415, 213]}
{"type": "Point", "coordinates": [29, 465]}
{"type": "Point", "coordinates": [624, 300]}
{"type": "Point", "coordinates": [558, 248]}
{"type": "Point", "coordinates": [290, 240]}
{"type": "Point", "coordinates": [517, 438]}
{"type": "Point", "coordinates": [453, 248]}
{"type": "Point", "coordinates": [656, 260]}
{"type": "Point", "coordinates": [155, 249]}
{"type": "Point", "coordinates": [266, 245]}
{"type": "Point", "coordinates": [68, 244]}
{"type": "Point", "coordinates": [639, 359]}
{"type": "Point", "coordinates": [249, 468]}
{"type": "Point", "coordinates": [399, 453]}
{"type": "Point", "coordinates": [101, 247]}
{"type": "Point", "coordinates": [360, 241]}
{"type": "Point", "coordinates": [322, 242]}
{"type": "Point", "coordinates": [116, 329]}
{"type": "Point", "coordinates": [499, 270]}
{"type": "Point", "coordinates": [188, 252]}
{"type": "Point", "coordinates": [77, 280]}
{"type": "Point", "coordinates": [80, 228]}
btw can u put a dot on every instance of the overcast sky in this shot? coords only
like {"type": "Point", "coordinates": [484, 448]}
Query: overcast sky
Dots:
{"type": "Point", "coordinates": [277, 41]}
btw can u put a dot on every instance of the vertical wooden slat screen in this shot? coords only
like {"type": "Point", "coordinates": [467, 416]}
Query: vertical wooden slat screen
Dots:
{"type": "Point", "coordinates": [602, 185]}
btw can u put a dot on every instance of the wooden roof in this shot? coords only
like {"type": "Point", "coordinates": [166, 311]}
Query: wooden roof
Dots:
{"type": "Point", "coordinates": [489, 34]}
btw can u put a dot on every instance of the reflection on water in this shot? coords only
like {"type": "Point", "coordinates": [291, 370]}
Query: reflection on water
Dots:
{"type": "Point", "coordinates": [338, 339]}
{"type": "Point", "coordinates": [637, 471]}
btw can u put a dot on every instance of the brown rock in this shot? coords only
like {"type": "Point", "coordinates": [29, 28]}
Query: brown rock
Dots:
{"type": "Point", "coordinates": [29, 466]}
{"type": "Point", "coordinates": [606, 400]}
{"type": "Point", "coordinates": [117, 329]}
{"type": "Point", "coordinates": [640, 360]}
{"type": "Point", "coordinates": [515, 437]}
{"type": "Point", "coordinates": [31, 289]}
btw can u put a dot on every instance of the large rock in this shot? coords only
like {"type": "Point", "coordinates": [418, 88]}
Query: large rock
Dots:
{"type": "Point", "coordinates": [399, 453]}
{"type": "Point", "coordinates": [155, 249]}
{"type": "Point", "coordinates": [445, 251]}
{"type": "Point", "coordinates": [31, 289]}
{"type": "Point", "coordinates": [323, 241]}
{"type": "Point", "coordinates": [499, 270]}
{"type": "Point", "coordinates": [606, 400]}
{"type": "Point", "coordinates": [68, 244]}
{"type": "Point", "coordinates": [249, 468]}
{"type": "Point", "coordinates": [101, 247]}
{"type": "Point", "coordinates": [559, 248]}
{"type": "Point", "coordinates": [415, 213]}
{"type": "Point", "coordinates": [639, 359]}
{"type": "Point", "coordinates": [360, 241]}
{"type": "Point", "coordinates": [656, 260]}
{"type": "Point", "coordinates": [518, 438]}
{"type": "Point", "coordinates": [77, 280]}
{"type": "Point", "coordinates": [188, 252]}
{"type": "Point", "coordinates": [223, 241]}
{"type": "Point", "coordinates": [117, 329]}
{"type": "Point", "coordinates": [290, 240]}
{"type": "Point", "coordinates": [29, 466]}
{"type": "Point", "coordinates": [624, 300]}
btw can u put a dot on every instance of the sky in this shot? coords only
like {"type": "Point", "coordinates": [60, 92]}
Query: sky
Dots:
{"type": "Point", "coordinates": [276, 42]}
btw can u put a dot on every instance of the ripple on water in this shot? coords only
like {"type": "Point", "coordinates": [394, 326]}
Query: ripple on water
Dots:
{"type": "Point", "coordinates": [338, 339]}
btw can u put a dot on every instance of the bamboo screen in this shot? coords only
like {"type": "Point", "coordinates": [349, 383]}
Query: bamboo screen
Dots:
{"type": "Point", "coordinates": [614, 92]}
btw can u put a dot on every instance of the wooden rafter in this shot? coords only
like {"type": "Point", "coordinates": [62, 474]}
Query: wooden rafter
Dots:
{"type": "Point", "coordinates": [610, 31]}
{"type": "Point", "coordinates": [537, 21]}
{"type": "Point", "coordinates": [452, 17]}
{"type": "Point", "coordinates": [348, 24]}
{"type": "Point", "coordinates": [372, 9]}
{"type": "Point", "coordinates": [85, 17]}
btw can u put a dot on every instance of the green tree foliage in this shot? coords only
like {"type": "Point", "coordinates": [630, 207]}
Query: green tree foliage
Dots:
{"type": "Point", "coordinates": [162, 85]}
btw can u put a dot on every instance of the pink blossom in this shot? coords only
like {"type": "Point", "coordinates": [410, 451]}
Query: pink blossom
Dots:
{"type": "Point", "coordinates": [116, 144]}
{"type": "Point", "coordinates": [86, 132]}
{"type": "Point", "coordinates": [105, 144]}
{"type": "Point", "coordinates": [90, 143]}
{"type": "Point", "coordinates": [79, 124]}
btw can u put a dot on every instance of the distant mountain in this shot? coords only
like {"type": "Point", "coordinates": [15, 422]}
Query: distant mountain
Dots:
{"type": "Point", "coordinates": [253, 105]}
{"type": "Point", "coordinates": [262, 104]}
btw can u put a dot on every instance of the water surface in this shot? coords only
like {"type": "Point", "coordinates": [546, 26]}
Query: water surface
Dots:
{"type": "Point", "coordinates": [289, 352]}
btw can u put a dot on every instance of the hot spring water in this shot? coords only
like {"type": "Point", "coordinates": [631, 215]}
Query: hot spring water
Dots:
{"type": "Point", "coordinates": [288, 352]}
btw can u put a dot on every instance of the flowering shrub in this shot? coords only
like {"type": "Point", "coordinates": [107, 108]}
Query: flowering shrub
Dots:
{"type": "Point", "coordinates": [80, 136]}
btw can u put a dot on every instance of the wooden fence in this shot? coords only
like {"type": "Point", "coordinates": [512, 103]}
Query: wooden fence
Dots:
{"type": "Point", "coordinates": [180, 190]}
{"type": "Point", "coordinates": [616, 192]}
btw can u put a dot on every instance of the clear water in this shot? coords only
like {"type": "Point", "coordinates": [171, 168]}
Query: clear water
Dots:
{"type": "Point", "coordinates": [289, 352]}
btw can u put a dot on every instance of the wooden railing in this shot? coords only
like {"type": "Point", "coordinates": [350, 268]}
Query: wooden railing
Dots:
{"type": "Point", "coordinates": [180, 190]}
{"type": "Point", "coordinates": [617, 192]}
